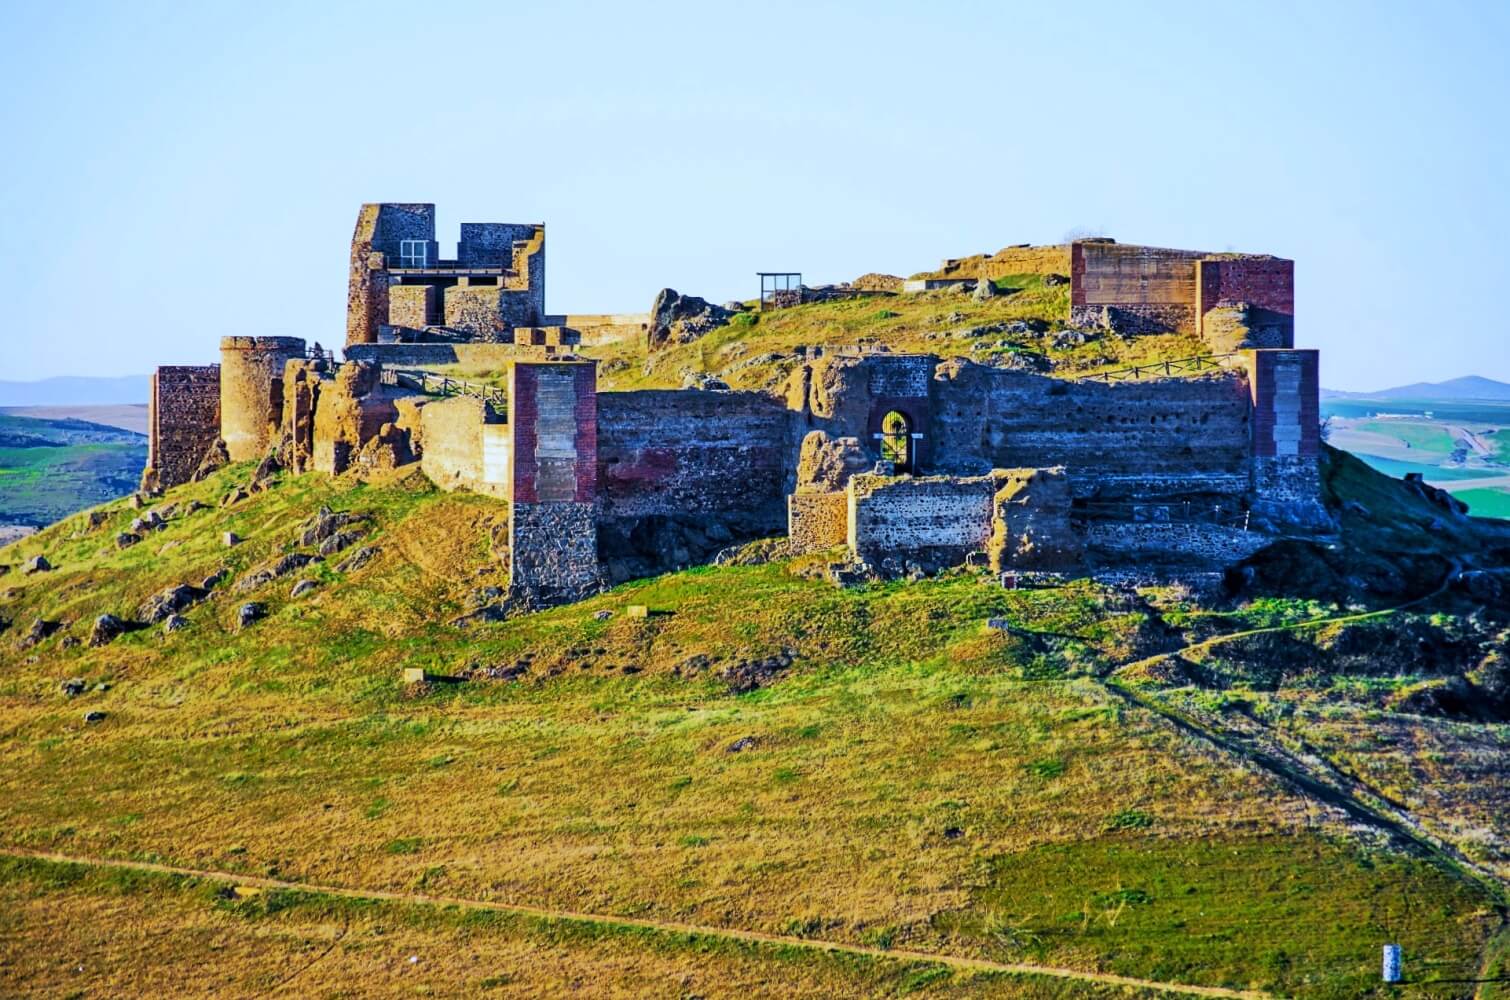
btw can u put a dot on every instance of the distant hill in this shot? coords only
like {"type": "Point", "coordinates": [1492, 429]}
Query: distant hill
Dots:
{"type": "Point", "coordinates": [51, 468]}
{"type": "Point", "coordinates": [72, 390]}
{"type": "Point", "coordinates": [1467, 387]}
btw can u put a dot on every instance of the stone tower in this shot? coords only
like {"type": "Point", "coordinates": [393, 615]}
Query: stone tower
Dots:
{"type": "Point", "coordinates": [251, 392]}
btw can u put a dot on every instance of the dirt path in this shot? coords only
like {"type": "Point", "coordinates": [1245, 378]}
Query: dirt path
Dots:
{"type": "Point", "coordinates": [669, 927]}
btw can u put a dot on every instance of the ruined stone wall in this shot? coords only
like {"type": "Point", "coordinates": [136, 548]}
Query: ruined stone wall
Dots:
{"type": "Point", "coordinates": [460, 444]}
{"type": "Point", "coordinates": [183, 420]}
{"type": "Point", "coordinates": [413, 306]}
{"type": "Point", "coordinates": [477, 309]}
{"type": "Point", "coordinates": [375, 244]}
{"type": "Point", "coordinates": [1145, 542]}
{"type": "Point", "coordinates": [490, 244]}
{"type": "Point", "coordinates": [1145, 437]}
{"type": "Point", "coordinates": [553, 552]}
{"type": "Point", "coordinates": [553, 530]}
{"type": "Point", "coordinates": [1261, 289]}
{"type": "Point", "coordinates": [350, 410]}
{"type": "Point", "coordinates": [1286, 478]}
{"type": "Point", "coordinates": [524, 305]}
{"type": "Point", "coordinates": [1031, 522]}
{"type": "Point", "coordinates": [478, 356]}
{"type": "Point", "coordinates": [1009, 260]}
{"type": "Point", "coordinates": [935, 521]}
{"type": "Point", "coordinates": [251, 392]}
{"type": "Point", "coordinates": [1133, 288]}
{"type": "Point", "coordinates": [817, 521]}
{"type": "Point", "coordinates": [700, 453]}
{"type": "Point", "coordinates": [603, 330]}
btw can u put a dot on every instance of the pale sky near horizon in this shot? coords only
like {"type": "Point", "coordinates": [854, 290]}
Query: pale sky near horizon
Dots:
{"type": "Point", "coordinates": [178, 172]}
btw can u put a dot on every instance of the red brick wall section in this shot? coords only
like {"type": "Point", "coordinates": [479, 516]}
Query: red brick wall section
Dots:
{"type": "Point", "coordinates": [1286, 388]}
{"type": "Point", "coordinates": [1264, 282]}
{"type": "Point", "coordinates": [523, 414]}
{"type": "Point", "coordinates": [524, 420]}
{"type": "Point", "coordinates": [183, 420]}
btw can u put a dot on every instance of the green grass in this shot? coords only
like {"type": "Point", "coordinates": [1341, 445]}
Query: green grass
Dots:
{"type": "Point", "coordinates": [911, 777]}
{"type": "Point", "coordinates": [1486, 502]}
{"type": "Point", "coordinates": [1425, 437]}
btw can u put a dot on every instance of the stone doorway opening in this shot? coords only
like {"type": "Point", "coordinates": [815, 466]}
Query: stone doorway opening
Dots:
{"type": "Point", "coordinates": [896, 441]}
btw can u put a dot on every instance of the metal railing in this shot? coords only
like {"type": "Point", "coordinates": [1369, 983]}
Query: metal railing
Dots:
{"type": "Point", "coordinates": [1175, 366]}
{"type": "Point", "coordinates": [435, 384]}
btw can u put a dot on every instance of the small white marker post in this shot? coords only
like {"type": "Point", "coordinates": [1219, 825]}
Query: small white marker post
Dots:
{"type": "Point", "coordinates": [1391, 963]}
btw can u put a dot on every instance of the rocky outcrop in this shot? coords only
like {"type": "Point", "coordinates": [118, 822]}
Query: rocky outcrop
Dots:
{"type": "Point", "coordinates": [216, 457]}
{"type": "Point", "coordinates": [166, 603]}
{"type": "Point", "coordinates": [876, 282]}
{"type": "Point", "coordinates": [265, 573]}
{"type": "Point", "coordinates": [680, 319]}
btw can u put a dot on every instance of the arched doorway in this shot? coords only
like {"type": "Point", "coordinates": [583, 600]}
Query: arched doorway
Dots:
{"type": "Point", "coordinates": [896, 441]}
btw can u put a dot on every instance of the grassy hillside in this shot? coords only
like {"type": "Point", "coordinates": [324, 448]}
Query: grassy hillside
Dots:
{"type": "Point", "coordinates": [764, 752]}
{"type": "Point", "coordinates": [51, 468]}
{"type": "Point", "coordinates": [756, 349]}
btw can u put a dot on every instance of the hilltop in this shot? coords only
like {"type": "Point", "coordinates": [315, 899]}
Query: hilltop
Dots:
{"type": "Point", "coordinates": [762, 751]}
{"type": "Point", "coordinates": [1081, 668]}
{"type": "Point", "coordinates": [1468, 387]}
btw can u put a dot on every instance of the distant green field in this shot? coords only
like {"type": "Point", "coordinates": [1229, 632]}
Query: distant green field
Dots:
{"type": "Point", "coordinates": [1486, 503]}
{"type": "Point", "coordinates": [1425, 436]}
{"type": "Point", "coordinates": [51, 468]}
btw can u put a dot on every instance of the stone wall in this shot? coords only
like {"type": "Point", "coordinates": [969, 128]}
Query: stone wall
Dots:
{"type": "Point", "coordinates": [817, 521]}
{"type": "Point", "coordinates": [553, 552]}
{"type": "Point", "coordinates": [1150, 542]}
{"type": "Point", "coordinates": [413, 306]}
{"type": "Point", "coordinates": [477, 356]}
{"type": "Point", "coordinates": [375, 244]}
{"type": "Point", "coordinates": [350, 410]}
{"type": "Point", "coordinates": [183, 420]}
{"type": "Point", "coordinates": [490, 244]}
{"type": "Point", "coordinates": [478, 310]}
{"type": "Point", "coordinates": [1263, 288]}
{"type": "Point", "coordinates": [553, 530]}
{"type": "Point", "coordinates": [1031, 522]}
{"type": "Point", "coordinates": [251, 392]}
{"type": "Point", "coordinates": [685, 473]}
{"type": "Point", "coordinates": [687, 451]}
{"type": "Point", "coordinates": [453, 432]}
{"type": "Point", "coordinates": [1286, 478]}
{"type": "Point", "coordinates": [1009, 260]}
{"type": "Point", "coordinates": [1133, 288]}
{"type": "Point", "coordinates": [1152, 436]}
{"type": "Point", "coordinates": [934, 520]}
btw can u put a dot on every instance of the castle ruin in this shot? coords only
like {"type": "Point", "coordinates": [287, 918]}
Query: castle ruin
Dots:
{"type": "Point", "coordinates": [902, 460]}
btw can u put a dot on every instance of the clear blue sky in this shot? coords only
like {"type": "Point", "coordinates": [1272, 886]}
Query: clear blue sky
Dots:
{"type": "Point", "coordinates": [173, 173]}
